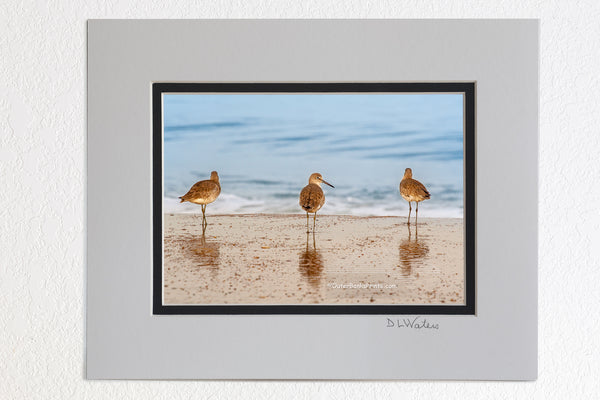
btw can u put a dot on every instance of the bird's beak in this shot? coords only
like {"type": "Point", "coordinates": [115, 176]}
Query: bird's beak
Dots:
{"type": "Point", "coordinates": [327, 183]}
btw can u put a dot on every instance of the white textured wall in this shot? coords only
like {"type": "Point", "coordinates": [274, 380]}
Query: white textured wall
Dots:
{"type": "Point", "coordinates": [42, 186]}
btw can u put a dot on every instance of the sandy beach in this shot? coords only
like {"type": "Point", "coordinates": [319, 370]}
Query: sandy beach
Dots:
{"type": "Point", "coordinates": [270, 259]}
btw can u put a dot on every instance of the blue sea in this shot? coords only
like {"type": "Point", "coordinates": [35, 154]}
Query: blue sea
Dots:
{"type": "Point", "coordinates": [265, 146]}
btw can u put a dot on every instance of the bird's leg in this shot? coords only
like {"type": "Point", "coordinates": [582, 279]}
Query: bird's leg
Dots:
{"type": "Point", "coordinates": [307, 230]}
{"type": "Point", "coordinates": [314, 222]}
{"type": "Point", "coordinates": [204, 221]}
{"type": "Point", "coordinates": [409, 210]}
{"type": "Point", "coordinates": [417, 213]}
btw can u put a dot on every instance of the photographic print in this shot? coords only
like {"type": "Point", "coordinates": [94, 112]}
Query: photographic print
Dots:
{"type": "Point", "coordinates": [235, 263]}
{"type": "Point", "coordinates": [313, 198]}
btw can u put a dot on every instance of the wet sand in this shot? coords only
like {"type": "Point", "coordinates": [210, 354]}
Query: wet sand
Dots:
{"type": "Point", "coordinates": [270, 259]}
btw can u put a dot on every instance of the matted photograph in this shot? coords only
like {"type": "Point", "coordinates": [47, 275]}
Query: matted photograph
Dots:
{"type": "Point", "coordinates": [356, 199]}
{"type": "Point", "coordinates": [313, 198]}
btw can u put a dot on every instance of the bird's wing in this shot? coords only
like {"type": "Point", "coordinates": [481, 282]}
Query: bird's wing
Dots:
{"type": "Point", "coordinates": [421, 188]}
{"type": "Point", "coordinates": [202, 188]}
{"type": "Point", "coordinates": [414, 188]}
{"type": "Point", "coordinates": [309, 197]}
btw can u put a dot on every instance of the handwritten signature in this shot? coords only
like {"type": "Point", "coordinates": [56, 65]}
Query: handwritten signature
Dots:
{"type": "Point", "coordinates": [411, 323]}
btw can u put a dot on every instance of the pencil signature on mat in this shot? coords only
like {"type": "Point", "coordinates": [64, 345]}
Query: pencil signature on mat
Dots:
{"type": "Point", "coordinates": [411, 323]}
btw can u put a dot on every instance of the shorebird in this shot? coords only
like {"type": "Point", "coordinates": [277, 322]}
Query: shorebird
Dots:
{"type": "Point", "coordinates": [203, 193]}
{"type": "Point", "coordinates": [312, 197]}
{"type": "Point", "coordinates": [412, 190]}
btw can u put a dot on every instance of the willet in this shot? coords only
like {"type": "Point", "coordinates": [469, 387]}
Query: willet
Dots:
{"type": "Point", "coordinates": [412, 190]}
{"type": "Point", "coordinates": [312, 197]}
{"type": "Point", "coordinates": [203, 193]}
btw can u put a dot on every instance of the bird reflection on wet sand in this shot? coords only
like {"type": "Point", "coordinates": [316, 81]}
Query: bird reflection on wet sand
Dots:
{"type": "Point", "coordinates": [204, 253]}
{"type": "Point", "coordinates": [310, 263]}
{"type": "Point", "coordinates": [412, 251]}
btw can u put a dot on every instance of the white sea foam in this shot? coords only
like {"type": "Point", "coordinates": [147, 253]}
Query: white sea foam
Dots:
{"type": "Point", "coordinates": [233, 204]}
{"type": "Point", "coordinates": [225, 204]}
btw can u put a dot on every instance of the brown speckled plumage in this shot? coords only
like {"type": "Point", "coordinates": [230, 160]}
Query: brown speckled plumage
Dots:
{"type": "Point", "coordinates": [312, 197]}
{"type": "Point", "coordinates": [203, 193]}
{"type": "Point", "coordinates": [412, 190]}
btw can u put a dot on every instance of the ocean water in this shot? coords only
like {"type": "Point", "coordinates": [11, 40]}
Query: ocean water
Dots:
{"type": "Point", "coordinates": [265, 146]}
